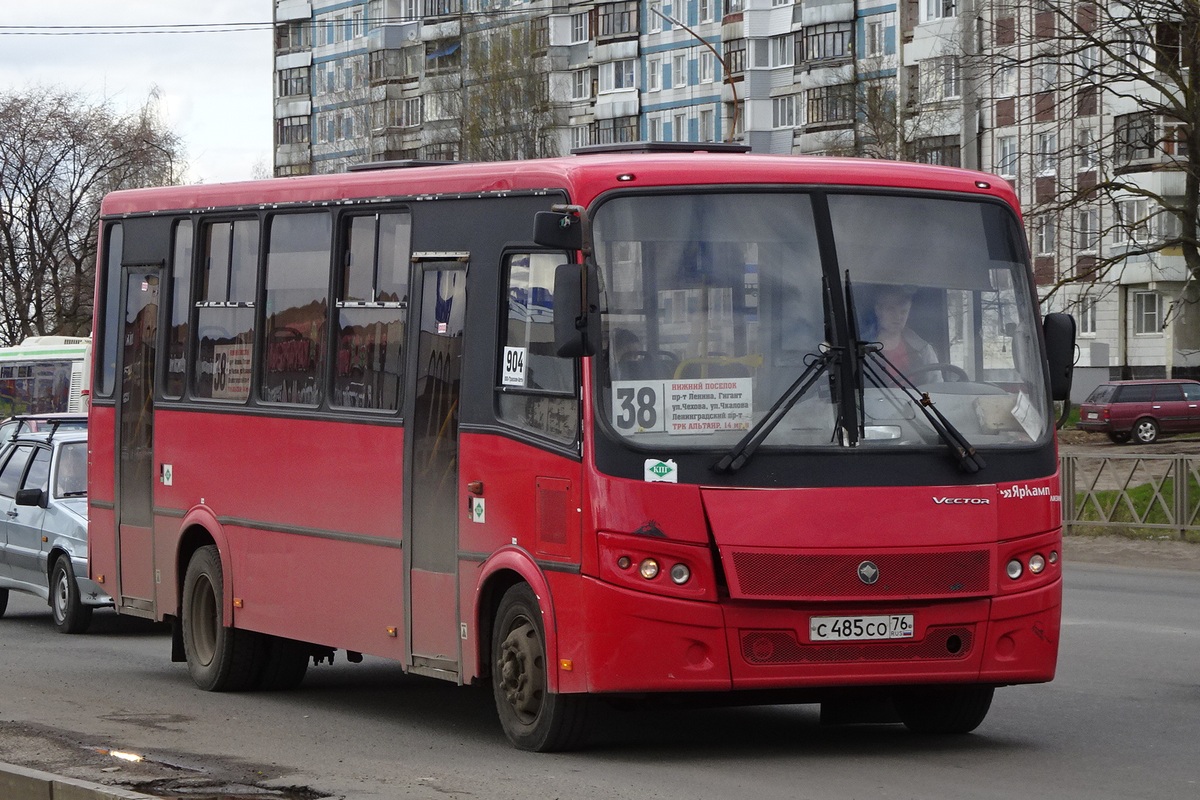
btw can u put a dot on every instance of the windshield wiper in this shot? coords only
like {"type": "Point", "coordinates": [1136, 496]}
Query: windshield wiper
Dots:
{"type": "Point", "coordinates": [737, 457]}
{"type": "Point", "coordinates": [874, 365]}
{"type": "Point", "coordinates": [816, 365]}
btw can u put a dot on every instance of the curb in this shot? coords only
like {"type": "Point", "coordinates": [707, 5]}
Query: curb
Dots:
{"type": "Point", "coordinates": [20, 783]}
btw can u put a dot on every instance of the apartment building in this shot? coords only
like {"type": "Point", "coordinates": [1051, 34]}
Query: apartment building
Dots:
{"type": "Point", "coordinates": [988, 84]}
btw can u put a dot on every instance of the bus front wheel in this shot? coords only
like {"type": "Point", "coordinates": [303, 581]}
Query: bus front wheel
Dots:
{"type": "Point", "coordinates": [944, 709]}
{"type": "Point", "coordinates": [533, 717]}
{"type": "Point", "coordinates": [219, 659]}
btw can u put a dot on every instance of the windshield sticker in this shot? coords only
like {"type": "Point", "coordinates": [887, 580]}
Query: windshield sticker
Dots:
{"type": "Point", "coordinates": [692, 406]}
{"type": "Point", "coordinates": [513, 372]}
{"type": "Point", "coordinates": [1028, 416]}
{"type": "Point", "coordinates": [661, 471]}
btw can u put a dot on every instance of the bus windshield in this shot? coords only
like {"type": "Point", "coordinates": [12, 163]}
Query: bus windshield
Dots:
{"type": "Point", "coordinates": [717, 303]}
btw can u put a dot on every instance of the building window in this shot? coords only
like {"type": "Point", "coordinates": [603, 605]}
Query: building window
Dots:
{"type": "Point", "coordinates": [293, 82]}
{"type": "Point", "coordinates": [1047, 153]}
{"type": "Point", "coordinates": [679, 127]}
{"type": "Point", "coordinates": [942, 79]}
{"type": "Point", "coordinates": [824, 42]}
{"type": "Point", "coordinates": [1087, 149]}
{"type": "Point", "coordinates": [943, 150]}
{"type": "Point", "coordinates": [581, 28]}
{"type": "Point", "coordinates": [581, 136]}
{"type": "Point", "coordinates": [654, 75]}
{"type": "Point", "coordinates": [654, 20]}
{"type": "Point", "coordinates": [618, 75]}
{"type": "Point", "coordinates": [292, 36]}
{"type": "Point", "coordinates": [783, 112]}
{"type": "Point", "coordinates": [617, 19]}
{"type": "Point", "coordinates": [679, 76]}
{"type": "Point", "coordinates": [581, 84]}
{"type": "Point", "coordinates": [938, 9]}
{"type": "Point", "coordinates": [292, 130]}
{"type": "Point", "coordinates": [1007, 156]}
{"type": "Point", "coordinates": [1133, 221]}
{"type": "Point", "coordinates": [441, 8]}
{"type": "Point", "coordinates": [1045, 236]}
{"type": "Point", "coordinates": [831, 103]}
{"type": "Point", "coordinates": [1147, 312]}
{"type": "Point", "coordinates": [1134, 136]}
{"type": "Point", "coordinates": [876, 42]}
{"type": "Point", "coordinates": [1085, 315]}
{"type": "Point", "coordinates": [707, 67]}
{"type": "Point", "coordinates": [617, 131]}
{"type": "Point", "coordinates": [442, 56]}
{"type": "Point", "coordinates": [1087, 229]}
{"type": "Point", "coordinates": [654, 129]}
{"type": "Point", "coordinates": [707, 9]}
{"type": "Point", "coordinates": [734, 52]}
{"type": "Point", "coordinates": [708, 130]}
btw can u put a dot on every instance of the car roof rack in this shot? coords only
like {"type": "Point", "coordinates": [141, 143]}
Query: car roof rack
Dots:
{"type": "Point", "coordinates": [661, 147]}
{"type": "Point", "coordinates": [52, 422]}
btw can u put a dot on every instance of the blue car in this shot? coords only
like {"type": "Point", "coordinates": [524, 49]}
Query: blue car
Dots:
{"type": "Point", "coordinates": [43, 513]}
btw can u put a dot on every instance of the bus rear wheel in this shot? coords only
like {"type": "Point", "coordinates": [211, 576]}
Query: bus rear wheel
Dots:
{"type": "Point", "coordinates": [285, 663]}
{"type": "Point", "coordinates": [944, 709]}
{"type": "Point", "coordinates": [219, 659]}
{"type": "Point", "coordinates": [533, 717]}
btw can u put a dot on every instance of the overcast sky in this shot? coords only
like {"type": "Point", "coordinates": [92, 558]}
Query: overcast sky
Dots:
{"type": "Point", "coordinates": [215, 86]}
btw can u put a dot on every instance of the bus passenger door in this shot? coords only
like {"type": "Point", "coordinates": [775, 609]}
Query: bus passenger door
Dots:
{"type": "Point", "coordinates": [431, 462]}
{"type": "Point", "coordinates": [135, 427]}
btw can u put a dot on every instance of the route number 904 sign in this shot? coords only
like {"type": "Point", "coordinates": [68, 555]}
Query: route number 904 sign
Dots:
{"type": "Point", "coordinates": [685, 407]}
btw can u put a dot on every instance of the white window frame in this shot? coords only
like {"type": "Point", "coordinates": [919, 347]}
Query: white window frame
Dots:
{"type": "Point", "coordinates": [1046, 236]}
{"type": "Point", "coordinates": [581, 84]}
{"type": "Point", "coordinates": [1087, 229]}
{"type": "Point", "coordinates": [933, 10]}
{"type": "Point", "coordinates": [654, 23]}
{"type": "Point", "coordinates": [581, 29]}
{"type": "Point", "coordinates": [783, 112]}
{"type": "Point", "coordinates": [654, 74]}
{"type": "Point", "coordinates": [1008, 156]}
{"type": "Point", "coordinates": [782, 50]}
{"type": "Point", "coordinates": [1047, 153]}
{"type": "Point", "coordinates": [679, 70]}
{"type": "Point", "coordinates": [876, 37]}
{"type": "Point", "coordinates": [706, 10]}
{"type": "Point", "coordinates": [1085, 314]}
{"type": "Point", "coordinates": [707, 67]}
{"type": "Point", "coordinates": [654, 128]}
{"type": "Point", "coordinates": [618, 76]}
{"type": "Point", "coordinates": [1147, 313]}
{"type": "Point", "coordinates": [679, 127]}
{"type": "Point", "coordinates": [708, 125]}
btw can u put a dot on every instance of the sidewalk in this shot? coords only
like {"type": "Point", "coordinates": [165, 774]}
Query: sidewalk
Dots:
{"type": "Point", "coordinates": [1168, 553]}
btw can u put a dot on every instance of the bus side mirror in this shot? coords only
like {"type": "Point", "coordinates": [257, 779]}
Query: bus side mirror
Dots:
{"type": "Point", "coordinates": [1059, 331]}
{"type": "Point", "coordinates": [576, 316]}
{"type": "Point", "coordinates": [559, 230]}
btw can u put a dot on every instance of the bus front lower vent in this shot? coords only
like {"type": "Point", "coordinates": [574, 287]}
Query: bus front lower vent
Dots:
{"type": "Point", "coordinates": [799, 576]}
{"type": "Point", "coordinates": [782, 647]}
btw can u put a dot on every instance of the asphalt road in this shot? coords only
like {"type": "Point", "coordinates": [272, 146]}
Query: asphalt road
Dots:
{"type": "Point", "coordinates": [1119, 722]}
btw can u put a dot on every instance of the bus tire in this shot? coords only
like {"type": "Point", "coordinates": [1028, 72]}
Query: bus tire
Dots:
{"type": "Point", "coordinates": [219, 659]}
{"type": "Point", "coordinates": [66, 606]}
{"type": "Point", "coordinates": [533, 717]}
{"type": "Point", "coordinates": [3, 601]}
{"type": "Point", "coordinates": [285, 662]}
{"type": "Point", "coordinates": [944, 709]}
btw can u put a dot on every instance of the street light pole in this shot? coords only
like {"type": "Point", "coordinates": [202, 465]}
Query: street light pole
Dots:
{"type": "Point", "coordinates": [728, 79]}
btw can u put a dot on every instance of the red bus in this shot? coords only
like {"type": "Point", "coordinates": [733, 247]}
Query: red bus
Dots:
{"type": "Point", "coordinates": [617, 423]}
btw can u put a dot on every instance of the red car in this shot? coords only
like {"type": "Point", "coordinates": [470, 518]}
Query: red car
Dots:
{"type": "Point", "coordinates": [1141, 410]}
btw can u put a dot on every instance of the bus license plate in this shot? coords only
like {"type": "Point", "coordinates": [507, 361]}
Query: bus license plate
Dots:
{"type": "Point", "coordinates": [841, 629]}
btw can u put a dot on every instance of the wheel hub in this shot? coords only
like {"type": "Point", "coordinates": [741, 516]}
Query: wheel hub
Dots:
{"type": "Point", "coordinates": [522, 671]}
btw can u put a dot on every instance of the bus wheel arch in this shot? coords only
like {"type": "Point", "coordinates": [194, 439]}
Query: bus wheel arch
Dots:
{"type": "Point", "coordinates": [533, 715]}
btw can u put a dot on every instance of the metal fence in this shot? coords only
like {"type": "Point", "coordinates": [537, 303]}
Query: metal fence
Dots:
{"type": "Point", "coordinates": [1153, 493]}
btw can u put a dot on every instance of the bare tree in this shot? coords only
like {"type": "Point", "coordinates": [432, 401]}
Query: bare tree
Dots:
{"type": "Point", "coordinates": [1108, 105]}
{"type": "Point", "coordinates": [506, 111]}
{"type": "Point", "coordinates": [60, 153]}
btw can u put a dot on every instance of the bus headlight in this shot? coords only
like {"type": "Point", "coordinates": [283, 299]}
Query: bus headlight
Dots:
{"type": "Point", "coordinates": [648, 568]}
{"type": "Point", "coordinates": [1014, 569]}
{"type": "Point", "coordinates": [1037, 563]}
{"type": "Point", "coordinates": [680, 574]}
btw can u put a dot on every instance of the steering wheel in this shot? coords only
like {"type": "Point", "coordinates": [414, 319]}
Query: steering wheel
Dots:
{"type": "Point", "coordinates": [947, 370]}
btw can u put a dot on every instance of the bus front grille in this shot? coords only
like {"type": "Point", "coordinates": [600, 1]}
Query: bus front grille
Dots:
{"type": "Point", "coordinates": [845, 576]}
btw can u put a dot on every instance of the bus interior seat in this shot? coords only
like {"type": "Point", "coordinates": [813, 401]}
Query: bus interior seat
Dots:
{"type": "Point", "coordinates": [641, 365]}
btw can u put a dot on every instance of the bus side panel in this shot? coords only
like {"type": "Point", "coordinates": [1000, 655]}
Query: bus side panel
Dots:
{"type": "Point", "coordinates": [530, 500]}
{"type": "Point", "coordinates": [314, 556]}
{"type": "Point", "coordinates": [102, 539]}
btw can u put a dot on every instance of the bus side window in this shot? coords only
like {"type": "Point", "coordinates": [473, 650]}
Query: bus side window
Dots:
{"type": "Point", "coordinates": [181, 304]}
{"type": "Point", "coordinates": [537, 388]}
{"type": "Point", "coordinates": [225, 318]}
{"type": "Point", "coordinates": [372, 310]}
